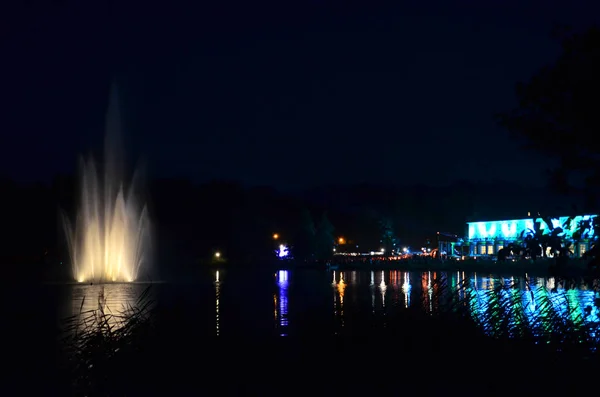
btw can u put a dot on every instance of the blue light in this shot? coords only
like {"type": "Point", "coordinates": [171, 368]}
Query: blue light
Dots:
{"type": "Point", "coordinates": [283, 251]}
{"type": "Point", "coordinates": [512, 229]}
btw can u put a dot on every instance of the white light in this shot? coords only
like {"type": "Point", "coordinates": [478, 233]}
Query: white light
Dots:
{"type": "Point", "coordinates": [382, 250]}
{"type": "Point", "coordinates": [217, 254]}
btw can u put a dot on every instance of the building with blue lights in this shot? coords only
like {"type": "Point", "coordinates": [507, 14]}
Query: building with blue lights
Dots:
{"type": "Point", "coordinates": [487, 238]}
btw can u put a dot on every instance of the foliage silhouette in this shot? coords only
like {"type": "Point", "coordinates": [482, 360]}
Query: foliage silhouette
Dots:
{"type": "Point", "coordinates": [556, 112]}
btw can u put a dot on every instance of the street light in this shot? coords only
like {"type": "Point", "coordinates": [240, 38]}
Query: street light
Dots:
{"type": "Point", "coordinates": [217, 254]}
{"type": "Point", "coordinates": [275, 236]}
{"type": "Point", "coordinates": [341, 240]}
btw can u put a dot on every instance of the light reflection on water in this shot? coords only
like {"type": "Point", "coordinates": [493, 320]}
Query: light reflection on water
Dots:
{"type": "Point", "coordinates": [281, 302]}
{"type": "Point", "coordinates": [217, 303]}
{"type": "Point", "coordinates": [111, 299]}
{"type": "Point", "coordinates": [357, 294]}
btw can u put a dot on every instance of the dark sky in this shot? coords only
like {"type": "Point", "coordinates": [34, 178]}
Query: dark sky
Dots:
{"type": "Point", "coordinates": [289, 95]}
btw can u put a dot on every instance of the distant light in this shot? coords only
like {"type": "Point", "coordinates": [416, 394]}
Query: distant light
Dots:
{"type": "Point", "coordinates": [275, 236]}
{"type": "Point", "coordinates": [405, 249]}
{"type": "Point", "coordinates": [217, 254]}
{"type": "Point", "coordinates": [382, 250]}
{"type": "Point", "coordinates": [334, 250]}
{"type": "Point", "coordinates": [341, 240]}
{"type": "Point", "coordinates": [283, 251]}
{"type": "Point", "coordinates": [80, 280]}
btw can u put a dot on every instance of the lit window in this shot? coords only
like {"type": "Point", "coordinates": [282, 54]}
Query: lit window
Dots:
{"type": "Point", "coordinates": [490, 250]}
{"type": "Point", "coordinates": [582, 249]}
{"type": "Point", "coordinates": [500, 247]}
{"type": "Point", "coordinates": [482, 250]}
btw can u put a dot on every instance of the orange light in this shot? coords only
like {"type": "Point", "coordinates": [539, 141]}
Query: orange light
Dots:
{"type": "Point", "coordinates": [275, 236]}
{"type": "Point", "coordinates": [341, 240]}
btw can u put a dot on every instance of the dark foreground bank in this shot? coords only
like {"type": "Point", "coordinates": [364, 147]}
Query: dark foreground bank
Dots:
{"type": "Point", "coordinates": [418, 353]}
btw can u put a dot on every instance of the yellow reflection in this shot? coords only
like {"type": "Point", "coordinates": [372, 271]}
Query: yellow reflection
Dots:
{"type": "Point", "coordinates": [340, 288]}
{"type": "Point", "coordinates": [217, 304]}
{"type": "Point", "coordinates": [102, 305]}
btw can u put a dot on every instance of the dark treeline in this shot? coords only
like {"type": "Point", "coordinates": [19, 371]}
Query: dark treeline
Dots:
{"type": "Point", "coordinates": [192, 221]}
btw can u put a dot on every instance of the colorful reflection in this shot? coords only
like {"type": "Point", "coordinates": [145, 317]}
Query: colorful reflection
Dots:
{"type": "Point", "coordinates": [427, 292]}
{"type": "Point", "coordinates": [542, 308]}
{"type": "Point", "coordinates": [395, 277]}
{"type": "Point", "coordinates": [406, 289]}
{"type": "Point", "coordinates": [281, 302]}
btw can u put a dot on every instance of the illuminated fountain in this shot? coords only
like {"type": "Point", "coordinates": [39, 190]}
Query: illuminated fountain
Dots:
{"type": "Point", "coordinates": [109, 240]}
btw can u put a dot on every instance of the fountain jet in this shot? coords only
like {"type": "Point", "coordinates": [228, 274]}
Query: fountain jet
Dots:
{"type": "Point", "coordinates": [109, 240]}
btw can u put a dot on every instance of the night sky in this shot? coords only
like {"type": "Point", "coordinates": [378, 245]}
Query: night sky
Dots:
{"type": "Point", "coordinates": [290, 96]}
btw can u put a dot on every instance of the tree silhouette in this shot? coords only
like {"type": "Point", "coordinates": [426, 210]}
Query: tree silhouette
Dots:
{"type": "Point", "coordinates": [324, 238]}
{"type": "Point", "coordinates": [388, 237]}
{"type": "Point", "coordinates": [557, 110]}
{"type": "Point", "coordinates": [305, 241]}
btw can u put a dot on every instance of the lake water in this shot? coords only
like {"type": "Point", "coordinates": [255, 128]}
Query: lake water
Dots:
{"type": "Point", "coordinates": [310, 302]}
{"type": "Point", "coordinates": [275, 310]}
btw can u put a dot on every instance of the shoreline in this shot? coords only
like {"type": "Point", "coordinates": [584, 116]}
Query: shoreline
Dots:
{"type": "Point", "coordinates": [539, 267]}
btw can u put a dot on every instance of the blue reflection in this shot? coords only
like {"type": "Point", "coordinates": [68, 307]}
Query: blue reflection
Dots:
{"type": "Point", "coordinates": [282, 282]}
{"type": "Point", "coordinates": [537, 308]}
{"type": "Point", "coordinates": [590, 310]}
